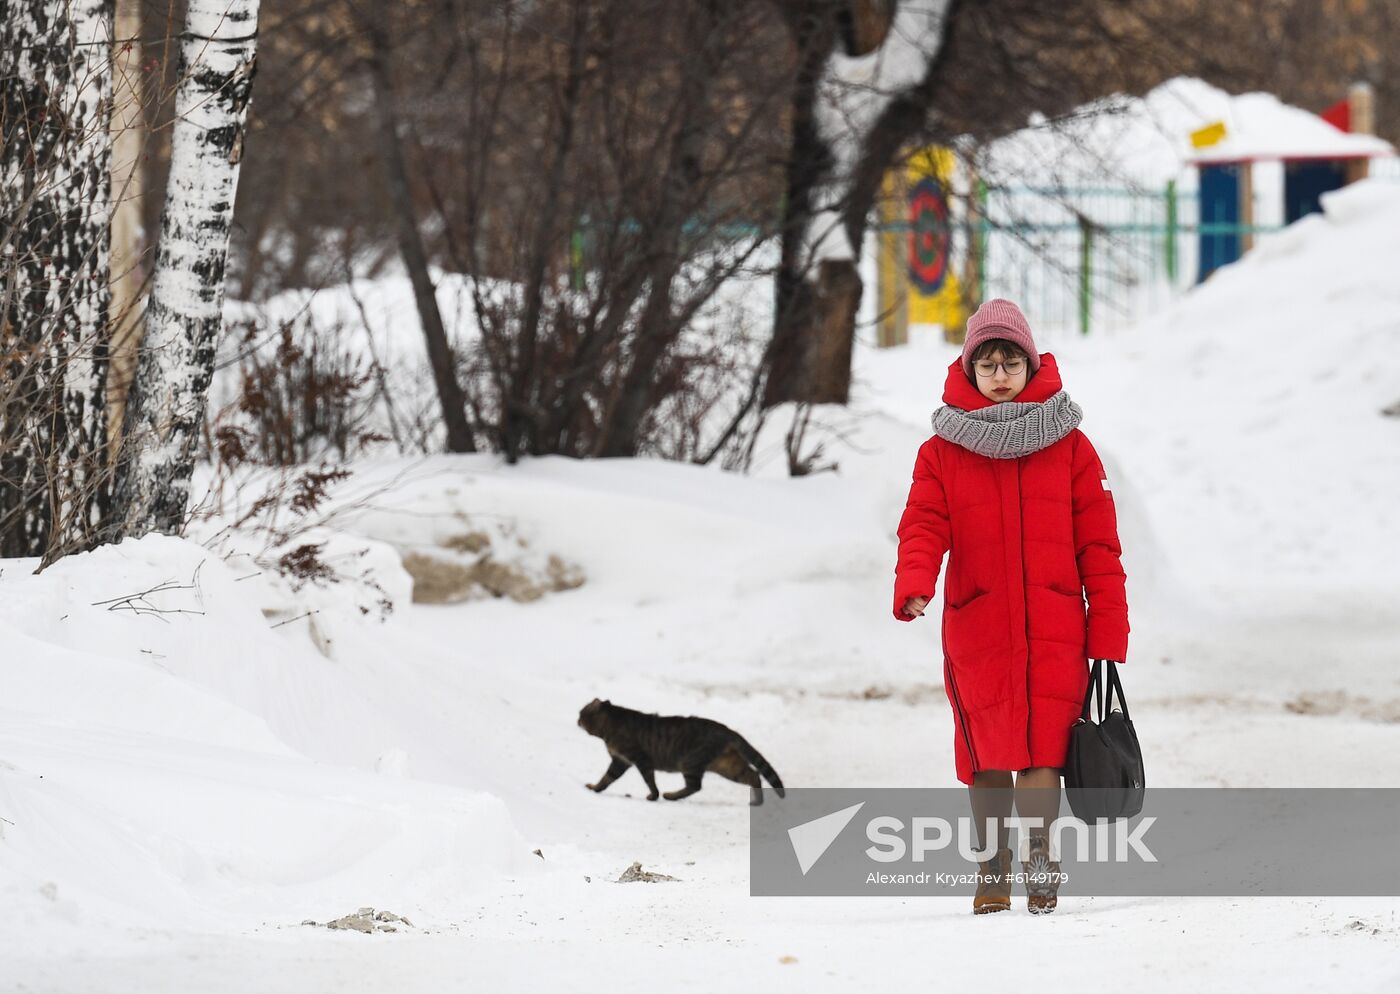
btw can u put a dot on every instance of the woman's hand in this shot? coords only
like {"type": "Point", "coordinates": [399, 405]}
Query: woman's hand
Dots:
{"type": "Point", "coordinates": [914, 607]}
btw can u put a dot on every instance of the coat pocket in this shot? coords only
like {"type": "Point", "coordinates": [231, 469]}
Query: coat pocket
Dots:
{"type": "Point", "coordinates": [966, 600]}
{"type": "Point", "coordinates": [975, 640]}
{"type": "Point", "coordinates": [1054, 614]}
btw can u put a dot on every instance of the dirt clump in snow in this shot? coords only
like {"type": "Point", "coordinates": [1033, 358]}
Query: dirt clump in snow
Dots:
{"type": "Point", "coordinates": [468, 566]}
{"type": "Point", "coordinates": [635, 873]}
{"type": "Point", "coordinates": [367, 920]}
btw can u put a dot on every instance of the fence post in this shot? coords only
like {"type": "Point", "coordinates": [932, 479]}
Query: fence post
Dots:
{"type": "Point", "coordinates": [1086, 257]}
{"type": "Point", "coordinates": [983, 233]}
{"type": "Point", "coordinates": [892, 273]}
{"type": "Point", "coordinates": [1171, 231]}
{"type": "Point", "coordinates": [576, 263]}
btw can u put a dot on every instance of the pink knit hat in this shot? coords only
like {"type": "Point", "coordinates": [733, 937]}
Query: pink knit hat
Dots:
{"type": "Point", "coordinates": [998, 318]}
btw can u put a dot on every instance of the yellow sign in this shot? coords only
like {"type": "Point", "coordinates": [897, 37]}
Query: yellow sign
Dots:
{"type": "Point", "coordinates": [1208, 136]}
{"type": "Point", "coordinates": [918, 281]}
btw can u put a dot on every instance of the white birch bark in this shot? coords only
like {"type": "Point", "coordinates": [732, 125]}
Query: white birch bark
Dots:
{"type": "Point", "coordinates": [54, 213]}
{"type": "Point", "coordinates": [184, 316]}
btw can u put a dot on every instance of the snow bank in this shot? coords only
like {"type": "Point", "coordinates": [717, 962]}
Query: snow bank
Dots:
{"type": "Point", "coordinates": [1257, 398]}
{"type": "Point", "coordinates": [149, 769]}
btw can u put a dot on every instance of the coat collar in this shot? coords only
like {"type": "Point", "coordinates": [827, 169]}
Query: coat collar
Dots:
{"type": "Point", "coordinates": [961, 392]}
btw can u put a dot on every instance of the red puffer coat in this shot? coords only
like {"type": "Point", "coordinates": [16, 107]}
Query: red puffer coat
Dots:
{"type": "Point", "coordinates": [1027, 539]}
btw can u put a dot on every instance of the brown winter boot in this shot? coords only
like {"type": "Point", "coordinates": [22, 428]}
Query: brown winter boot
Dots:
{"type": "Point", "coordinates": [993, 884]}
{"type": "Point", "coordinates": [1042, 876]}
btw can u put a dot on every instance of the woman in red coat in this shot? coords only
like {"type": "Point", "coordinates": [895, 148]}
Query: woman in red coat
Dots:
{"type": "Point", "coordinates": [1015, 494]}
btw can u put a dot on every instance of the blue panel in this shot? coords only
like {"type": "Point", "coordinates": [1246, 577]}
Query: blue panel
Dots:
{"type": "Point", "coordinates": [1304, 183]}
{"type": "Point", "coordinates": [1220, 217]}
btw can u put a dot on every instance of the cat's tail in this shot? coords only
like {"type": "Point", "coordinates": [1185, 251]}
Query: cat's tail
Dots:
{"type": "Point", "coordinates": [759, 763]}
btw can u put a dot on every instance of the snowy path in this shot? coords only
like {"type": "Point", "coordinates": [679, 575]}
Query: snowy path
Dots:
{"type": "Point", "coordinates": [787, 638]}
{"type": "Point", "coordinates": [704, 933]}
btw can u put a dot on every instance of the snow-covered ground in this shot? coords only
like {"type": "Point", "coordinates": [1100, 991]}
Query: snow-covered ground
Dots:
{"type": "Point", "coordinates": [182, 785]}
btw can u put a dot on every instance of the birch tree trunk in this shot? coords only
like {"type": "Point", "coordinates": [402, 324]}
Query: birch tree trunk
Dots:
{"type": "Point", "coordinates": [175, 362]}
{"type": "Point", "coordinates": [55, 58]}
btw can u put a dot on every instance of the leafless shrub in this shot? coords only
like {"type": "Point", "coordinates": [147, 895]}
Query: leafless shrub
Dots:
{"type": "Point", "coordinates": [301, 397]}
{"type": "Point", "coordinates": [277, 516]}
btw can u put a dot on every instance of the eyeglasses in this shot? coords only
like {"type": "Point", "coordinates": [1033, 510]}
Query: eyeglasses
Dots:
{"type": "Point", "coordinates": [987, 368]}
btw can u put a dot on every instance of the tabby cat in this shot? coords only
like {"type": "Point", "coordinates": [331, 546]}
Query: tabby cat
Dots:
{"type": "Point", "coordinates": [680, 744]}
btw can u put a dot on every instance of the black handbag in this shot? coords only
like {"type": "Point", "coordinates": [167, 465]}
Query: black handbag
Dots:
{"type": "Point", "coordinates": [1103, 770]}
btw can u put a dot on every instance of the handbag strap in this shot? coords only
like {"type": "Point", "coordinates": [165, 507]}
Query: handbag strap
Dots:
{"type": "Point", "coordinates": [1101, 696]}
{"type": "Point", "coordinates": [1115, 684]}
{"type": "Point", "coordinates": [1094, 692]}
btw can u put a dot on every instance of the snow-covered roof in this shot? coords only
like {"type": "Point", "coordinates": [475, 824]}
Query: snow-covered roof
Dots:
{"type": "Point", "coordinates": [1147, 140]}
{"type": "Point", "coordinates": [1260, 126]}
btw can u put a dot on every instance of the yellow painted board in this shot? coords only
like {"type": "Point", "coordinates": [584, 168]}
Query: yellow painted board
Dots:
{"type": "Point", "coordinates": [1210, 135]}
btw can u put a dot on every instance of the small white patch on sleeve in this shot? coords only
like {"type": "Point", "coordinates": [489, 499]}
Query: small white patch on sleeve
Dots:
{"type": "Point", "coordinates": [1104, 484]}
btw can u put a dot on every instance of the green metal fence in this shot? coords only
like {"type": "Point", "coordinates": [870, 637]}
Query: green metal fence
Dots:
{"type": "Point", "coordinates": [1087, 258]}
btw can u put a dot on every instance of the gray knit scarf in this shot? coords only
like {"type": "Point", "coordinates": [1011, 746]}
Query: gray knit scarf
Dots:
{"type": "Point", "coordinates": [1009, 430]}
